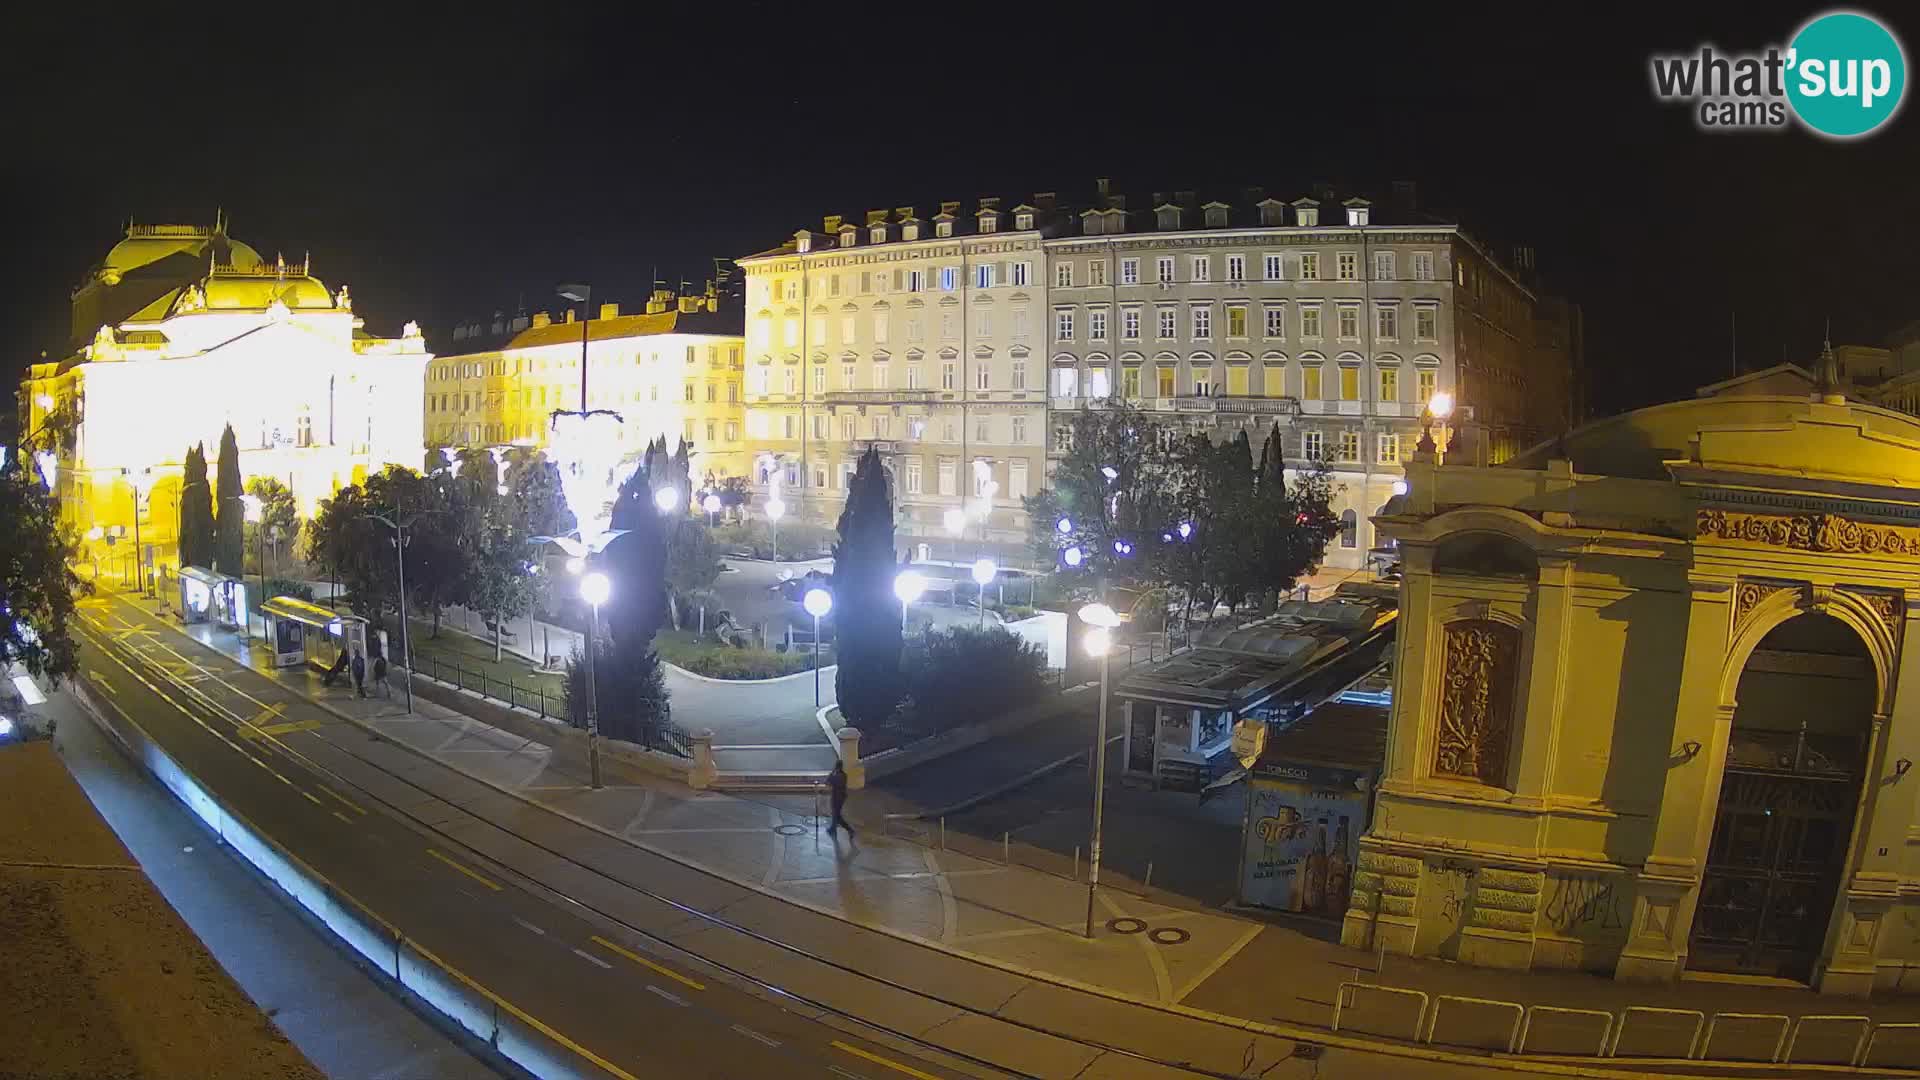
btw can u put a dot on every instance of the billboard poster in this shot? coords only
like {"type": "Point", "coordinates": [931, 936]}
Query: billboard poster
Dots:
{"type": "Point", "coordinates": [1302, 837]}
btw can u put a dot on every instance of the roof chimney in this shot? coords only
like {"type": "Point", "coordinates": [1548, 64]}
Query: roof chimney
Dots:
{"type": "Point", "coordinates": [1102, 186]}
{"type": "Point", "coordinates": [830, 223]}
{"type": "Point", "coordinates": [1184, 198]}
{"type": "Point", "coordinates": [609, 311]}
{"type": "Point", "coordinates": [541, 318]}
{"type": "Point", "coordinates": [1406, 196]}
{"type": "Point", "coordinates": [1323, 190]}
{"type": "Point", "coordinates": [1043, 200]}
{"type": "Point", "coordinates": [569, 314]}
{"type": "Point", "coordinates": [689, 304]}
{"type": "Point", "coordinates": [950, 207]}
{"type": "Point", "coordinates": [876, 217]}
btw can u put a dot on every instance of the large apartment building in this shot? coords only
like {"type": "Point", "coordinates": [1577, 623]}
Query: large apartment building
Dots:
{"type": "Point", "coordinates": [958, 344]}
{"type": "Point", "coordinates": [672, 370]}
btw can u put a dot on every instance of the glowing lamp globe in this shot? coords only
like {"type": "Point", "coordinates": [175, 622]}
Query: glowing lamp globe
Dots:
{"type": "Point", "coordinates": [1399, 487]}
{"type": "Point", "coordinates": [666, 499]}
{"type": "Point", "coordinates": [576, 564]}
{"type": "Point", "coordinates": [775, 509]}
{"type": "Point", "coordinates": [1099, 615]}
{"type": "Point", "coordinates": [711, 504]}
{"type": "Point", "coordinates": [1441, 404]}
{"type": "Point", "coordinates": [984, 570]}
{"type": "Point", "coordinates": [1073, 556]}
{"type": "Point", "coordinates": [1099, 641]}
{"type": "Point", "coordinates": [955, 520]}
{"type": "Point", "coordinates": [1064, 526]}
{"type": "Point", "coordinates": [817, 602]}
{"type": "Point", "coordinates": [595, 588]}
{"type": "Point", "coordinates": [909, 585]}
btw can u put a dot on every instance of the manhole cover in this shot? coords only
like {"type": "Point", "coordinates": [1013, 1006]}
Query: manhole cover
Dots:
{"type": "Point", "coordinates": [1169, 935]}
{"type": "Point", "coordinates": [789, 830]}
{"type": "Point", "coordinates": [1125, 925]}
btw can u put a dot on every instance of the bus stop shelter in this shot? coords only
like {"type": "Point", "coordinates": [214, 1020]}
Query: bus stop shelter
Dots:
{"type": "Point", "coordinates": [301, 632]}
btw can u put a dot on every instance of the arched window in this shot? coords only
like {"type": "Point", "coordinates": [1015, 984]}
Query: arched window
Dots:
{"type": "Point", "coordinates": [1349, 529]}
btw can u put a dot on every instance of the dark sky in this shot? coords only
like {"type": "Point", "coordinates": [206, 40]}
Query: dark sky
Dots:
{"type": "Point", "coordinates": [444, 168]}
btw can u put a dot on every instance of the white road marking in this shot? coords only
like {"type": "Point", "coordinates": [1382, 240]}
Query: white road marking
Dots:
{"type": "Point", "coordinates": [670, 996]}
{"type": "Point", "coordinates": [529, 926]}
{"type": "Point", "coordinates": [592, 959]}
{"type": "Point", "coordinates": [756, 1036]}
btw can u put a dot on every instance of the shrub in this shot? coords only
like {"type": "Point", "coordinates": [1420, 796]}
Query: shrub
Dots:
{"type": "Point", "coordinates": [717, 661]}
{"type": "Point", "coordinates": [967, 673]}
{"type": "Point", "coordinates": [632, 696]}
{"type": "Point", "coordinates": [279, 586]}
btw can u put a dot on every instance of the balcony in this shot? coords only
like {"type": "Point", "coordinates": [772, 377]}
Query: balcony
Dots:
{"type": "Point", "coordinates": [1236, 404]}
{"type": "Point", "coordinates": [878, 397]}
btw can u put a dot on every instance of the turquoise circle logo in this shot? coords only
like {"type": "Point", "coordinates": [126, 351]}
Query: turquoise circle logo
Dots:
{"type": "Point", "coordinates": [1847, 74]}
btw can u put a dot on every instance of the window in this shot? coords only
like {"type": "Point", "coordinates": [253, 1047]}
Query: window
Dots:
{"type": "Point", "coordinates": [733, 431]}
{"type": "Point", "coordinates": [1019, 374]}
{"type": "Point", "coordinates": [1390, 448]}
{"type": "Point", "coordinates": [1202, 323]}
{"type": "Point", "coordinates": [1389, 384]}
{"type": "Point", "coordinates": [1020, 324]}
{"type": "Point", "coordinates": [879, 376]}
{"type": "Point", "coordinates": [913, 377]}
{"type": "Point", "coordinates": [1349, 445]}
{"type": "Point", "coordinates": [1426, 323]}
{"type": "Point", "coordinates": [982, 376]}
{"type": "Point", "coordinates": [949, 278]}
{"type": "Point", "coordinates": [1168, 324]}
{"type": "Point", "coordinates": [1426, 380]}
{"type": "Point", "coordinates": [1383, 266]}
{"type": "Point", "coordinates": [1129, 324]}
{"type": "Point", "coordinates": [848, 428]}
{"type": "Point", "coordinates": [1236, 320]}
{"type": "Point", "coordinates": [983, 276]}
{"type": "Point", "coordinates": [1163, 266]}
{"type": "Point", "coordinates": [1066, 382]}
{"type": "Point", "coordinates": [847, 377]}
{"type": "Point", "coordinates": [947, 434]}
{"type": "Point", "coordinates": [1017, 478]}
{"type": "Point", "coordinates": [1163, 380]}
{"type": "Point", "coordinates": [1063, 274]}
{"type": "Point", "coordinates": [883, 426]}
{"type": "Point", "coordinates": [1349, 529]}
{"type": "Point", "coordinates": [1097, 324]}
{"type": "Point", "coordinates": [982, 433]}
{"type": "Point", "coordinates": [792, 380]}
{"type": "Point", "coordinates": [984, 324]}
{"type": "Point", "coordinates": [820, 426]}
{"type": "Point", "coordinates": [946, 478]}
{"type": "Point", "coordinates": [819, 379]}
{"type": "Point", "coordinates": [1310, 266]}
{"type": "Point", "coordinates": [1348, 266]}
{"type": "Point", "coordinates": [1096, 271]}
{"type": "Point", "coordinates": [1023, 221]}
{"type": "Point", "coordinates": [1236, 268]}
{"type": "Point", "coordinates": [1097, 386]}
{"type": "Point", "coordinates": [1310, 382]}
{"type": "Point", "coordinates": [733, 393]}
{"type": "Point", "coordinates": [913, 328]}
{"type": "Point", "coordinates": [1203, 381]}
{"type": "Point", "coordinates": [1130, 382]}
{"type": "Point", "coordinates": [990, 223]}
{"type": "Point", "coordinates": [688, 428]}
{"type": "Point", "coordinates": [948, 376]}
{"type": "Point", "coordinates": [1310, 321]}
{"type": "Point", "coordinates": [689, 390]}
{"type": "Point", "coordinates": [757, 382]}
{"type": "Point", "coordinates": [792, 334]}
{"type": "Point", "coordinates": [1019, 433]}
{"type": "Point", "coordinates": [1276, 321]}
{"type": "Point", "coordinates": [1349, 322]}
{"type": "Point", "coordinates": [1350, 385]}
{"type": "Point", "coordinates": [1129, 271]}
{"type": "Point", "coordinates": [1270, 266]}
{"type": "Point", "coordinates": [947, 326]}
{"type": "Point", "coordinates": [1423, 266]}
{"type": "Point", "coordinates": [847, 331]}
{"type": "Point", "coordinates": [913, 476]}
{"type": "Point", "coordinates": [1310, 447]}
{"type": "Point", "coordinates": [881, 324]}
{"type": "Point", "coordinates": [786, 425]}
{"type": "Point", "coordinates": [1020, 272]}
{"type": "Point", "coordinates": [1063, 326]}
{"type": "Point", "coordinates": [1386, 322]}
{"type": "Point", "coordinates": [1202, 268]}
{"type": "Point", "coordinates": [712, 428]}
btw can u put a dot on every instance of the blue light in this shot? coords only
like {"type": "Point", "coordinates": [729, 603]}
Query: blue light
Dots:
{"type": "Point", "coordinates": [1186, 530]}
{"type": "Point", "coordinates": [1122, 548]}
{"type": "Point", "coordinates": [1072, 556]}
{"type": "Point", "coordinates": [1065, 525]}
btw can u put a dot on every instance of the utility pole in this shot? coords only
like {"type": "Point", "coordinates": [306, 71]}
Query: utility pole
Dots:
{"type": "Point", "coordinates": [399, 528]}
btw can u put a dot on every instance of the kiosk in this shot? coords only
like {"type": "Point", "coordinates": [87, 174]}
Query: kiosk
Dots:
{"type": "Point", "coordinates": [298, 631]}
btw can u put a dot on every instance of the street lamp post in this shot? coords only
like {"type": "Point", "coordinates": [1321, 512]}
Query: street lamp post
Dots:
{"type": "Point", "coordinates": [138, 480]}
{"type": "Point", "coordinates": [711, 504]}
{"type": "Point", "coordinates": [1100, 644]}
{"type": "Point", "coordinates": [818, 602]}
{"type": "Point", "coordinates": [594, 589]}
{"type": "Point", "coordinates": [399, 528]}
{"type": "Point", "coordinates": [955, 519]}
{"type": "Point", "coordinates": [775, 510]}
{"type": "Point", "coordinates": [582, 295]}
{"type": "Point", "coordinates": [983, 572]}
{"type": "Point", "coordinates": [908, 586]}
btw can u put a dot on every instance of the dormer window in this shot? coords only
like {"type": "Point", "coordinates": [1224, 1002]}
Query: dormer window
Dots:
{"type": "Point", "coordinates": [1168, 217]}
{"type": "Point", "coordinates": [910, 231]}
{"type": "Point", "coordinates": [1272, 212]}
{"type": "Point", "coordinates": [878, 234]}
{"type": "Point", "coordinates": [1307, 212]}
{"type": "Point", "coordinates": [849, 236]}
{"type": "Point", "coordinates": [1216, 216]}
{"type": "Point", "coordinates": [1359, 212]}
{"type": "Point", "coordinates": [989, 223]}
{"type": "Point", "coordinates": [1023, 222]}
{"type": "Point", "coordinates": [803, 241]}
{"type": "Point", "coordinates": [943, 228]}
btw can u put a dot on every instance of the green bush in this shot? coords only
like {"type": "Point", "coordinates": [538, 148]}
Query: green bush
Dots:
{"type": "Point", "coordinates": [798, 540]}
{"type": "Point", "coordinates": [717, 661]}
{"type": "Point", "coordinates": [279, 586]}
{"type": "Point", "coordinates": [967, 673]}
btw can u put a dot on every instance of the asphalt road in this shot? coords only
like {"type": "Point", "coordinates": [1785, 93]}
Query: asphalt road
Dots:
{"type": "Point", "coordinates": [603, 987]}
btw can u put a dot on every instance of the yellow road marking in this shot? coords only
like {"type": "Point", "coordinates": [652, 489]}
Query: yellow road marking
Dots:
{"type": "Point", "coordinates": [464, 870]}
{"type": "Point", "coordinates": [644, 962]}
{"type": "Point", "coordinates": [878, 1060]}
{"type": "Point", "coordinates": [351, 805]}
{"type": "Point", "coordinates": [287, 728]}
{"type": "Point", "coordinates": [344, 818]}
{"type": "Point", "coordinates": [270, 712]}
{"type": "Point", "coordinates": [108, 687]}
{"type": "Point", "coordinates": [313, 800]}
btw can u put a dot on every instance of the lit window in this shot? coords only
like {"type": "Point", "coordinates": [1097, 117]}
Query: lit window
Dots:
{"type": "Point", "coordinates": [1310, 321]}
{"type": "Point", "coordinates": [1310, 266]}
{"type": "Point", "coordinates": [1310, 383]}
{"type": "Point", "coordinates": [1390, 448]}
{"type": "Point", "coordinates": [1236, 320]}
{"type": "Point", "coordinates": [1426, 380]}
{"type": "Point", "coordinates": [1349, 445]}
{"type": "Point", "coordinates": [1349, 266]}
{"type": "Point", "coordinates": [1389, 384]}
{"type": "Point", "coordinates": [1350, 385]}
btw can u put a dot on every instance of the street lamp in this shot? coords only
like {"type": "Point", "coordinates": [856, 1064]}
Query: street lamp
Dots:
{"type": "Point", "coordinates": [1099, 643]}
{"type": "Point", "coordinates": [666, 498]}
{"type": "Point", "coordinates": [983, 572]}
{"type": "Point", "coordinates": [256, 512]}
{"type": "Point", "coordinates": [140, 481]}
{"type": "Point", "coordinates": [582, 295]}
{"type": "Point", "coordinates": [711, 504]}
{"type": "Point", "coordinates": [594, 589]}
{"type": "Point", "coordinates": [908, 586]}
{"type": "Point", "coordinates": [817, 602]}
{"type": "Point", "coordinates": [775, 511]}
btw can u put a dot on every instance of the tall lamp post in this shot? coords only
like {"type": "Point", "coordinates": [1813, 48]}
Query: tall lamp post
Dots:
{"type": "Point", "coordinates": [1099, 643]}
{"type": "Point", "coordinates": [711, 504]}
{"type": "Point", "coordinates": [817, 602]}
{"type": "Point", "coordinates": [1439, 407]}
{"type": "Point", "coordinates": [594, 589]}
{"type": "Point", "coordinates": [399, 528]}
{"type": "Point", "coordinates": [582, 295]}
{"type": "Point", "coordinates": [140, 481]}
{"type": "Point", "coordinates": [775, 511]}
{"type": "Point", "coordinates": [955, 519]}
{"type": "Point", "coordinates": [908, 586]}
{"type": "Point", "coordinates": [983, 572]}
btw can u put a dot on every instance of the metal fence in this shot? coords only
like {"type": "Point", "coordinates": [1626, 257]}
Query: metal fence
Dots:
{"type": "Point", "coordinates": [547, 703]}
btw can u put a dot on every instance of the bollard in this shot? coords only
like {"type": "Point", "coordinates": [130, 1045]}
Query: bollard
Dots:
{"type": "Point", "coordinates": [1076, 862]}
{"type": "Point", "coordinates": [1148, 884]}
{"type": "Point", "coordinates": [943, 832]}
{"type": "Point", "coordinates": [816, 808]}
{"type": "Point", "coordinates": [1006, 849]}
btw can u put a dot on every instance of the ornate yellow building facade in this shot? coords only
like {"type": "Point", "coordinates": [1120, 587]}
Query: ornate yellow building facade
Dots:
{"type": "Point", "coordinates": [186, 331]}
{"type": "Point", "coordinates": [674, 370]}
{"type": "Point", "coordinates": [1651, 708]}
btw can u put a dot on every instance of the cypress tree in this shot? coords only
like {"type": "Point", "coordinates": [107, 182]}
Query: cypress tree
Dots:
{"type": "Point", "coordinates": [196, 512]}
{"type": "Point", "coordinates": [866, 614]}
{"type": "Point", "coordinates": [230, 547]}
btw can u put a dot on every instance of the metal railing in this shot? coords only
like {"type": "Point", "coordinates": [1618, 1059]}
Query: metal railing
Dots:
{"type": "Point", "coordinates": [546, 703]}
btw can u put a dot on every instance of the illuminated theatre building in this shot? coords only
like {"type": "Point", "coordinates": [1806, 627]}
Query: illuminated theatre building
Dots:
{"type": "Point", "coordinates": [181, 331]}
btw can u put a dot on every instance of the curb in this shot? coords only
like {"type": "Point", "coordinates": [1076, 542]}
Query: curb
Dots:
{"type": "Point", "coordinates": [748, 682]}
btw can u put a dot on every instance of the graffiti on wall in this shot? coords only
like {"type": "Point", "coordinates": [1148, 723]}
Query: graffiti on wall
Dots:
{"type": "Point", "coordinates": [1587, 906]}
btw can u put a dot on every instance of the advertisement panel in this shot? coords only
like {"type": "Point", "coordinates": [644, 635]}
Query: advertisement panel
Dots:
{"type": "Point", "coordinates": [1302, 836]}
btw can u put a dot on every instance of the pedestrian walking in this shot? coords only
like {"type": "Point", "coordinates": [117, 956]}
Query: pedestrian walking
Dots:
{"type": "Point", "coordinates": [837, 780]}
{"type": "Point", "coordinates": [380, 677]}
{"type": "Point", "coordinates": [359, 673]}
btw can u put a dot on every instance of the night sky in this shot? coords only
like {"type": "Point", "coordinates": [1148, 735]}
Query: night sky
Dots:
{"type": "Point", "coordinates": [445, 169]}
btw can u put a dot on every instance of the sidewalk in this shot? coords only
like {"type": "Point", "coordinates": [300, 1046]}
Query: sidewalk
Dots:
{"type": "Point", "coordinates": [1015, 919]}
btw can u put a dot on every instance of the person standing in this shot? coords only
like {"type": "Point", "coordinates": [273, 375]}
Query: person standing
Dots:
{"type": "Point", "coordinates": [359, 673]}
{"type": "Point", "coordinates": [837, 781]}
{"type": "Point", "coordinates": [380, 676]}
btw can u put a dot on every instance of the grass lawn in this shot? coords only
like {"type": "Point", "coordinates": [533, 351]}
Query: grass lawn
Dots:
{"type": "Point", "coordinates": [717, 661]}
{"type": "Point", "coordinates": [475, 656]}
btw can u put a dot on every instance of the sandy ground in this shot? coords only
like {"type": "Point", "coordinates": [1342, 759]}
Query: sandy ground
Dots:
{"type": "Point", "coordinates": [99, 978]}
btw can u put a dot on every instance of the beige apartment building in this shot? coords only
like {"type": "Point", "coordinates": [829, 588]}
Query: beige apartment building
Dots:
{"type": "Point", "coordinates": [959, 344]}
{"type": "Point", "coordinates": [672, 370]}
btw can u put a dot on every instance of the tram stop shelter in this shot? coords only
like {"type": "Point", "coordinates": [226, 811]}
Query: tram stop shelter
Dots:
{"type": "Point", "coordinates": [301, 632]}
{"type": "Point", "coordinates": [207, 596]}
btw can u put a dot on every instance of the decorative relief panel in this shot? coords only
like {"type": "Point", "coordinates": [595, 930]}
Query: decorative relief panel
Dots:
{"type": "Point", "coordinates": [1809, 532]}
{"type": "Point", "coordinates": [1891, 607]}
{"type": "Point", "coordinates": [1476, 700]}
{"type": "Point", "coordinates": [1749, 596]}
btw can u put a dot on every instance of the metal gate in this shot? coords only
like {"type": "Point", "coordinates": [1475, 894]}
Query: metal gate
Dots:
{"type": "Point", "coordinates": [1787, 804]}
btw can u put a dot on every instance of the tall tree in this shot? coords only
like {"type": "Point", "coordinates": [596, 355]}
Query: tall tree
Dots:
{"type": "Point", "coordinates": [196, 512]}
{"type": "Point", "coordinates": [1297, 519]}
{"type": "Point", "coordinates": [499, 578]}
{"type": "Point", "coordinates": [356, 550]}
{"type": "Point", "coordinates": [636, 563]}
{"type": "Point", "coordinates": [36, 587]}
{"type": "Point", "coordinates": [535, 495]}
{"type": "Point", "coordinates": [693, 565]}
{"type": "Point", "coordinates": [230, 523]}
{"type": "Point", "coordinates": [278, 510]}
{"type": "Point", "coordinates": [866, 612]}
{"type": "Point", "coordinates": [1115, 487]}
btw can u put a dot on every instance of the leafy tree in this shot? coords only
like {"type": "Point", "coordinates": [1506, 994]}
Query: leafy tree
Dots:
{"type": "Point", "coordinates": [499, 580]}
{"type": "Point", "coordinates": [636, 563]}
{"type": "Point", "coordinates": [196, 512]}
{"type": "Point", "coordinates": [1112, 517]}
{"type": "Point", "coordinates": [441, 519]}
{"type": "Point", "coordinates": [865, 609]}
{"type": "Point", "coordinates": [356, 550]}
{"type": "Point", "coordinates": [230, 532]}
{"type": "Point", "coordinates": [1298, 521]}
{"type": "Point", "coordinates": [36, 587]}
{"type": "Point", "coordinates": [693, 564]}
{"type": "Point", "coordinates": [278, 509]}
{"type": "Point", "coordinates": [534, 495]}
